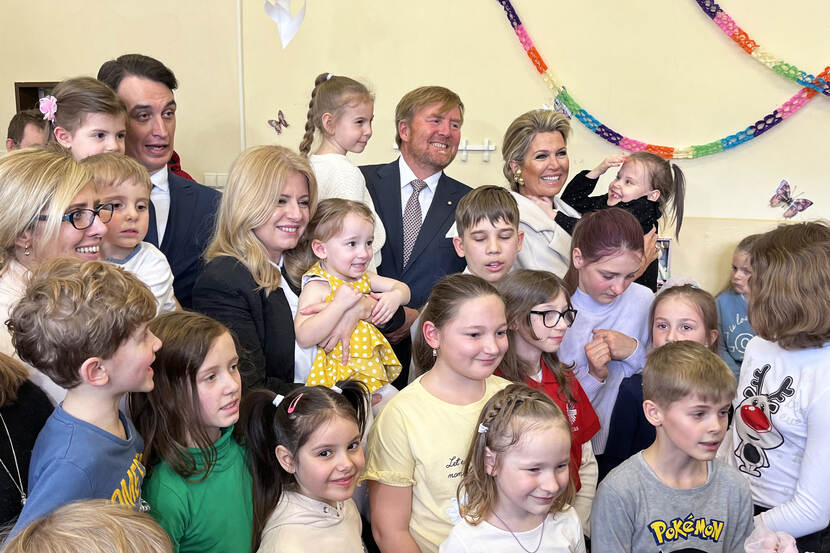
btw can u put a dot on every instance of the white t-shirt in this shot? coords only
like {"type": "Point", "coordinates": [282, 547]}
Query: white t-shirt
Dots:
{"type": "Point", "coordinates": [151, 267]}
{"type": "Point", "coordinates": [560, 533]}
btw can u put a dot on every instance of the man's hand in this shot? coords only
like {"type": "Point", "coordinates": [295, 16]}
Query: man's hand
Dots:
{"type": "Point", "coordinates": [398, 335]}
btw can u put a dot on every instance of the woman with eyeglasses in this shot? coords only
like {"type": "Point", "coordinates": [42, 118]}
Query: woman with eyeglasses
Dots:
{"type": "Point", "coordinates": [539, 312]}
{"type": "Point", "coordinates": [49, 210]}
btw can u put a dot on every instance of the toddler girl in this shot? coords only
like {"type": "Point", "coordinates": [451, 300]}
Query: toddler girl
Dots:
{"type": "Point", "coordinates": [86, 117]}
{"type": "Point", "coordinates": [305, 458]}
{"type": "Point", "coordinates": [538, 314]}
{"type": "Point", "coordinates": [198, 484]}
{"type": "Point", "coordinates": [607, 342]}
{"type": "Point", "coordinates": [779, 439]}
{"type": "Point", "coordinates": [419, 440]}
{"type": "Point", "coordinates": [645, 186]}
{"type": "Point", "coordinates": [341, 109]}
{"type": "Point", "coordinates": [735, 330]}
{"type": "Point", "coordinates": [340, 237]}
{"type": "Point", "coordinates": [682, 312]}
{"type": "Point", "coordinates": [516, 488]}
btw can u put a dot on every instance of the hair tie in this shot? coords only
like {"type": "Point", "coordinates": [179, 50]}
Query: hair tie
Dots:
{"type": "Point", "coordinates": [482, 429]}
{"type": "Point", "coordinates": [48, 106]}
{"type": "Point", "coordinates": [329, 76]}
{"type": "Point", "coordinates": [293, 404]}
{"type": "Point", "coordinates": [278, 400]}
{"type": "Point", "coordinates": [337, 389]}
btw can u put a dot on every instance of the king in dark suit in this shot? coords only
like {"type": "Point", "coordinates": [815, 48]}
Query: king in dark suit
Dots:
{"type": "Point", "coordinates": [417, 250]}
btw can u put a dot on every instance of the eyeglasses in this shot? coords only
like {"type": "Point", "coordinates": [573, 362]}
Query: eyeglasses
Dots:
{"type": "Point", "coordinates": [82, 219]}
{"type": "Point", "coordinates": [551, 317]}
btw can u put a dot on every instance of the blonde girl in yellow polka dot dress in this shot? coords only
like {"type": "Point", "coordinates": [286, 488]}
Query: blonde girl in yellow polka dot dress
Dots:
{"type": "Point", "coordinates": [340, 236]}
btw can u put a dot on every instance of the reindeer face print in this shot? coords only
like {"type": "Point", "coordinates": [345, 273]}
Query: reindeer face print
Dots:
{"type": "Point", "coordinates": [754, 422]}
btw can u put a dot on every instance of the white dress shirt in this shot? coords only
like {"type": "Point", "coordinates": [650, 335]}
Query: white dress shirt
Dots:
{"type": "Point", "coordinates": [425, 199]}
{"type": "Point", "coordinates": [160, 196]}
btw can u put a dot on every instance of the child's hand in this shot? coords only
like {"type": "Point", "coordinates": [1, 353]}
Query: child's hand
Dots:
{"type": "Point", "coordinates": [388, 303]}
{"type": "Point", "coordinates": [614, 160]}
{"type": "Point", "coordinates": [599, 355]}
{"type": "Point", "coordinates": [545, 203]}
{"type": "Point", "coordinates": [346, 296]}
{"type": "Point", "coordinates": [619, 345]}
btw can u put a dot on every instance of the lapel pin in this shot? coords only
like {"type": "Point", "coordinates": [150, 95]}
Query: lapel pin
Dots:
{"type": "Point", "coordinates": [449, 203]}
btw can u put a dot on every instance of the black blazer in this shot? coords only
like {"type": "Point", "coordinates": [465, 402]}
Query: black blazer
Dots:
{"type": "Point", "coordinates": [263, 324]}
{"type": "Point", "coordinates": [189, 230]}
{"type": "Point", "coordinates": [433, 256]}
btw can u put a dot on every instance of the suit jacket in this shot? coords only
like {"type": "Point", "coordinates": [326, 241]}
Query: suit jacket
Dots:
{"type": "Point", "coordinates": [433, 256]}
{"type": "Point", "coordinates": [263, 324]}
{"type": "Point", "coordinates": [189, 230]}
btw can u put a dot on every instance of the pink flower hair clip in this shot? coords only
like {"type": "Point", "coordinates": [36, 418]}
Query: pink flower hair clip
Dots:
{"type": "Point", "coordinates": [49, 107]}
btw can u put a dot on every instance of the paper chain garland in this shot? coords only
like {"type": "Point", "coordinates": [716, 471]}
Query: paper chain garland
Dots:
{"type": "Point", "coordinates": [791, 72]}
{"type": "Point", "coordinates": [786, 110]}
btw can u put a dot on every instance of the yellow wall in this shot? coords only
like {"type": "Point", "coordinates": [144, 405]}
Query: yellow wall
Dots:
{"type": "Point", "coordinates": [656, 71]}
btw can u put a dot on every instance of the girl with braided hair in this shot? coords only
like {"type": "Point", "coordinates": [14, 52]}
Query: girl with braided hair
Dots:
{"type": "Point", "coordinates": [341, 109]}
{"type": "Point", "coordinates": [516, 487]}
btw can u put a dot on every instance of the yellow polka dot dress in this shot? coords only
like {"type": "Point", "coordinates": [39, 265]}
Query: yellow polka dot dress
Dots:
{"type": "Point", "coordinates": [371, 359]}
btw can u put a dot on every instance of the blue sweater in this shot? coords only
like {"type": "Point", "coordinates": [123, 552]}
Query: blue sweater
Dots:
{"type": "Point", "coordinates": [74, 460]}
{"type": "Point", "coordinates": [734, 327]}
{"type": "Point", "coordinates": [628, 314]}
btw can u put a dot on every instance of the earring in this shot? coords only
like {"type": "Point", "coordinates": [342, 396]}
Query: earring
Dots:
{"type": "Point", "coordinates": [517, 177]}
{"type": "Point", "coordinates": [27, 251]}
{"type": "Point", "coordinates": [434, 352]}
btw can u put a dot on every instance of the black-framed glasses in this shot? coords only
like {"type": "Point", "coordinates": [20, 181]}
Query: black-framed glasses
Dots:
{"type": "Point", "coordinates": [551, 317]}
{"type": "Point", "coordinates": [82, 219]}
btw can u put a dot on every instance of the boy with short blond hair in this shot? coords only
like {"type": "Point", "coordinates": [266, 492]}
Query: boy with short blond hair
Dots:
{"type": "Point", "coordinates": [487, 221]}
{"type": "Point", "coordinates": [675, 495]}
{"type": "Point", "coordinates": [123, 182]}
{"type": "Point", "coordinates": [84, 325]}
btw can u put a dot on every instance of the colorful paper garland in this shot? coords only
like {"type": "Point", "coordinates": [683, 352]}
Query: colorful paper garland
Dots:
{"type": "Point", "coordinates": [786, 110]}
{"type": "Point", "coordinates": [742, 39]}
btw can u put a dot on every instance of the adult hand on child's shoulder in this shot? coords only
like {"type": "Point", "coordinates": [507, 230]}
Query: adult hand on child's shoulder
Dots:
{"type": "Point", "coordinates": [545, 203]}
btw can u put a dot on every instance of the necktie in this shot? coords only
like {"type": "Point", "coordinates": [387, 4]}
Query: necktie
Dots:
{"type": "Point", "coordinates": [412, 219]}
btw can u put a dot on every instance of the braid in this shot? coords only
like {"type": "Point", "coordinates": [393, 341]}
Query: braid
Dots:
{"type": "Point", "coordinates": [308, 137]}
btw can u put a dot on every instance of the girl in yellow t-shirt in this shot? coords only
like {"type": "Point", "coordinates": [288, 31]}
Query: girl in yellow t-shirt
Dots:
{"type": "Point", "coordinates": [418, 443]}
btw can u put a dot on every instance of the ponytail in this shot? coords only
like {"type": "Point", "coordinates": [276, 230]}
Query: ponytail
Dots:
{"type": "Point", "coordinates": [308, 137]}
{"type": "Point", "coordinates": [267, 426]}
{"type": "Point", "coordinates": [329, 95]}
{"type": "Point", "coordinates": [679, 197]}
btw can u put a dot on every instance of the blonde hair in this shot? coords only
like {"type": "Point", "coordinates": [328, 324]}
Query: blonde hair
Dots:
{"type": "Point", "coordinates": [512, 412]}
{"type": "Point", "coordinates": [73, 310]}
{"type": "Point", "coordinates": [681, 369]}
{"type": "Point", "coordinates": [331, 93]}
{"type": "Point", "coordinates": [699, 298]}
{"type": "Point", "coordinates": [666, 177]}
{"type": "Point", "coordinates": [114, 169]}
{"type": "Point", "coordinates": [521, 290]}
{"type": "Point", "coordinates": [327, 221]}
{"type": "Point", "coordinates": [12, 374]}
{"type": "Point", "coordinates": [493, 203]}
{"type": "Point", "coordinates": [81, 96]}
{"type": "Point", "coordinates": [92, 526]}
{"type": "Point", "coordinates": [790, 285]}
{"type": "Point", "coordinates": [255, 182]}
{"type": "Point", "coordinates": [34, 180]}
{"type": "Point", "coordinates": [520, 133]}
{"type": "Point", "coordinates": [417, 99]}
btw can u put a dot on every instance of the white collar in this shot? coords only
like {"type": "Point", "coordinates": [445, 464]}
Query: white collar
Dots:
{"type": "Point", "coordinates": [407, 175]}
{"type": "Point", "coordinates": [160, 179]}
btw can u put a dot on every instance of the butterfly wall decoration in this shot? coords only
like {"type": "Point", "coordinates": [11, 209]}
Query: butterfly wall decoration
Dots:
{"type": "Point", "coordinates": [279, 123]}
{"type": "Point", "coordinates": [783, 197]}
